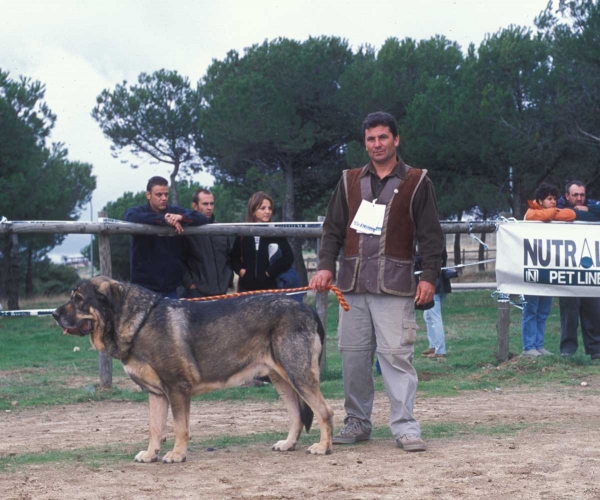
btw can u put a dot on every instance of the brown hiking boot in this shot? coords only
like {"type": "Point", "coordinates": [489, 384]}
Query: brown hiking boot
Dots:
{"type": "Point", "coordinates": [429, 351]}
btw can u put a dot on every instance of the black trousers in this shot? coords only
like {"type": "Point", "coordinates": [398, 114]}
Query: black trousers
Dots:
{"type": "Point", "coordinates": [572, 310]}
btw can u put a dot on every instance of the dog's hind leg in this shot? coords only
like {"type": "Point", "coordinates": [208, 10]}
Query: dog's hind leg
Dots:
{"type": "Point", "coordinates": [159, 408]}
{"type": "Point", "coordinates": [292, 403]}
{"type": "Point", "coordinates": [180, 406]}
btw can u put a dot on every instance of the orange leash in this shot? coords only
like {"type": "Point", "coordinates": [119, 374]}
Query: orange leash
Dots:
{"type": "Point", "coordinates": [334, 289]}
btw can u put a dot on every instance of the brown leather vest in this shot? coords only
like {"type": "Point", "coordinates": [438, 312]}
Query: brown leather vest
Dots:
{"type": "Point", "coordinates": [381, 263]}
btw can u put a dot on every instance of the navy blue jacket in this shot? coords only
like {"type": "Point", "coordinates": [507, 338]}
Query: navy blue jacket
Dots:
{"type": "Point", "coordinates": [593, 214]}
{"type": "Point", "coordinates": [157, 261]}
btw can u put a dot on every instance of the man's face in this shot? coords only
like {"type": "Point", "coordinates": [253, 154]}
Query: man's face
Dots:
{"type": "Point", "coordinates": [205, 205]}
{"type": "Point", "coordinates": [576, 195]}
{"type": "Point", "coordinates": [381, 144]}
{"type": "Point", "coordinates": [158, 197]}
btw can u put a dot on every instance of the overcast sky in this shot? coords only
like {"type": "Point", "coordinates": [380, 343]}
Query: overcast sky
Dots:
{"type": "Point", "coordinates": [77, 48]}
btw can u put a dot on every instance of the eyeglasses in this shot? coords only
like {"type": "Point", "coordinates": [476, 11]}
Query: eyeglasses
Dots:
{"type": "Point", "coordinates": [578, 195]}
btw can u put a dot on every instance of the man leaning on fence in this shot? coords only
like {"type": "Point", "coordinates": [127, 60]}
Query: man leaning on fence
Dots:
{"type": "Point", "coordinates": [572, 309]}
{"type": "Point", "coordinates": [156, 262]}
{"type": "Point", "coordinates": [208, 271]}
{"type": "Point", "coordinates": [394, 206]}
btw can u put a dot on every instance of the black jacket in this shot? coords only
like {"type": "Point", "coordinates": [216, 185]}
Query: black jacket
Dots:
{"type": "Point", "coordinates": [157, 261]}
{"type": "Point", "coordinates": [207, 265]}
{"type": "Point", "coordinates": [256, 264]}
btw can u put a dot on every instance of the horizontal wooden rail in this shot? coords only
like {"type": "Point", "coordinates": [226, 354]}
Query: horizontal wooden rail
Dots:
{"type": "Point", "coordinates": [291, 229]}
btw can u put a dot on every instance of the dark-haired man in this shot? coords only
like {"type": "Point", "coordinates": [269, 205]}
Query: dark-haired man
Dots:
{"type": "Point", "coordinates": [208, 270]}
{"type": "Point", "coordinates": [156, 262]}
{"type": "Point", "coordinates": [574, 309]}
{"type": "Point", "coordinates": [377, 215]}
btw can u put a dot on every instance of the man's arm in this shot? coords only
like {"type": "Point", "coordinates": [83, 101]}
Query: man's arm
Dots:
{"type": "Point", "coordinates": [430, 238]}
{"type": "Point", "coordinates": [334, 234]}
{"type": "Point", "coordinates": [141, 215]}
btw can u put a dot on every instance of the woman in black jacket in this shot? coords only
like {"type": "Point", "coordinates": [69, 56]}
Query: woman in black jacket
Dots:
{"type": "Point", "coordinates": [251, 256]}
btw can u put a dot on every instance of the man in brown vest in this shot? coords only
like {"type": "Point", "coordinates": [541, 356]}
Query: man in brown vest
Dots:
{"type": "Point", "coordinates": [377, 215]}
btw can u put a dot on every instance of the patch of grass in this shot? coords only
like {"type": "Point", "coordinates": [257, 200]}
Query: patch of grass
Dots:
{"type": "Point", "coordinates": [38, 365]}
{"type": "Point", "coordinates": [115, 453]}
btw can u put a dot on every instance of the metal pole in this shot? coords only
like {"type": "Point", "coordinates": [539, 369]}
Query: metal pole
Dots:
{"type": "Point", "coordinates": [503, 326]}
{"type": "Point", "coordinates": [105, 361]}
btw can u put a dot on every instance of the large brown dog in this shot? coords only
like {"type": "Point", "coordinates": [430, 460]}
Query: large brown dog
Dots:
{"type": "Point", "coordinates": [177, 349]}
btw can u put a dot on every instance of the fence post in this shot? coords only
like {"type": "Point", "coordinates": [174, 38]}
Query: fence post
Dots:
{"type": "Point", "coordinates": [104, 360]}
{"type": "Point", "coordinates": [321, 301]}
{"type": "Point", "coordinates": [503, 326]}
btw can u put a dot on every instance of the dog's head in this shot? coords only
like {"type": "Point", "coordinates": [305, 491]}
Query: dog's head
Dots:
{"type": "Point", "coordinates": [90, 307]}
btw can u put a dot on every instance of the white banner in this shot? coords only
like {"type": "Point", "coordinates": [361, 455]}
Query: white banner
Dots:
{"type": "Point", "coordinates": [559, 259]}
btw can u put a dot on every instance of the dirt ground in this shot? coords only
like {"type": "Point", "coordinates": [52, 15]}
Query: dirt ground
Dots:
{"type": "Point", "coordinates": [555, 455]}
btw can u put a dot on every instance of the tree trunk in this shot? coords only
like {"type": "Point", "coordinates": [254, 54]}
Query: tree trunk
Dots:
{"type": "Point", "coordinates": [457, 259]}
{"type": "Point", "coordinates": [173, 186]}
{"type": "Point", "coordinates": [12, 283]}
{"type": "Point", "coordinates": [289, 207]}
{"type": "Point", "coordinates": [29, 272]}
{"type": "Point", "coordinates": [289, 214]}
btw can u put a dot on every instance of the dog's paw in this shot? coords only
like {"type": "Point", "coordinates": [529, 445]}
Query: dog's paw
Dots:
{"type": "Point", "coordinates": [284, 446]}
{"type": "Point", "coordinates": [145, 457]}
{"type": "Point", "coordinates": [173, 458]}
{"type": "Point", "coordinates": [318, 449]}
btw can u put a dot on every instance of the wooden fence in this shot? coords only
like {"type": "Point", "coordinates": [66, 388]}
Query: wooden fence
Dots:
{"type": "Point", "coordinates": [104, 228]}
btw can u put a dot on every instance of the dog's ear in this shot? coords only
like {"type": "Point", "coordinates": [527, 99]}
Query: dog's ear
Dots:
{"type": "Point", "coordinates": [110, 291]}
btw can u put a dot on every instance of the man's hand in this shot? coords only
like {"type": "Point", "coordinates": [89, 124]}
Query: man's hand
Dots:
{"type": "Point", "coordinates": [175, 221]}
{"type": "Point", "coordinates": [583, 208]}
{"type": "Point", "coordinates": [425, 293]}
{"type": "Point", "coordinates": [321, 281]}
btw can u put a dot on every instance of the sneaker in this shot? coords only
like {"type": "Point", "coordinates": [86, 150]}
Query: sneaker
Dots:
{"type": "Point", "coordinates": [352, 432]}
{"type": "Point", "coordinates": [566, 354]}
{"type": "Point", "coordinates": [595, 356]}
{"type": "Point", "coordinates": [543, 352]}
{"type": "Point", "coordinates": [531, 353]}
{"type": "Point", "coordinates": [429, 351]}
{"type": "Point", "coordinates": [411, 442]}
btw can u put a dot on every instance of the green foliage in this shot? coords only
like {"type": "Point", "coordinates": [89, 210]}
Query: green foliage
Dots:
{"type": "Point", "coordinates": [155, 119]}
{"type": "Point", "coordinates": [38, 182]}
{"type": "Point", "coordinates": [53, 279]}
{"type": "Point", "coordinates": [271, 120]}
{"type": "Point", "coordinates": [39, 366]}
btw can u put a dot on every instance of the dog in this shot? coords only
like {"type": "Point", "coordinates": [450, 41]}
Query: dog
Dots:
{"type": "Point", "coordinates": [176, 349]}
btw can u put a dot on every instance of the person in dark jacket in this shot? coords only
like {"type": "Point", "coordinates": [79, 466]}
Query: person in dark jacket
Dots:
{"type": "Point", "coordinates": [574, 309]}
{"type": "Point", "coordinates": [250, 256]}
{"type": "Point", "coordinates": [208, 268]}
{"type": "Point", "coordinates": [157, 261]}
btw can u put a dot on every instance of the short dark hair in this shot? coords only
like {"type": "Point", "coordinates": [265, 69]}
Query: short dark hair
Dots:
{"type": "Point", "coordinates": [380, 118]}
{"type": "Point", "coordinates": [544, 190]}
{"type": "Point", "coordinates": [197, 194]}
{"type": "Point", "coordinates": [255, 202]}
{"type": "Point", "coordinates": [157, 180]}
{"type": "Point", "coordinates": [573, 183]}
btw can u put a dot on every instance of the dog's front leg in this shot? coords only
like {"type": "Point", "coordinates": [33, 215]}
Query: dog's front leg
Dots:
{"type": "Point", "coordinates": [180, 406]}
{"type": "Point", "coordinates": [159, 408]}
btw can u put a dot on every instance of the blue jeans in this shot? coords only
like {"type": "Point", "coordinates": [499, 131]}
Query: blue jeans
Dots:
{"type": "Point", "coordinates": [533, 325]}
{"type": "Point", "coordinates": [435, 325]}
